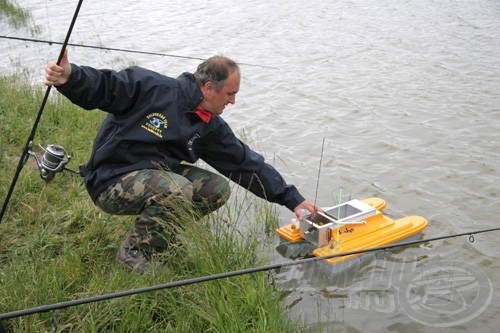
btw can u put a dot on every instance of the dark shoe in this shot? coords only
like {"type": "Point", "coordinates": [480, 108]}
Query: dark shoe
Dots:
{"type": "Point", "coordinates": [132, 258]}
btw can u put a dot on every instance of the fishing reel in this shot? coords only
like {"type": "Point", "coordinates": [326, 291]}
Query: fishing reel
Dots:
{"type": "Point", "coordinates": [53, 160]}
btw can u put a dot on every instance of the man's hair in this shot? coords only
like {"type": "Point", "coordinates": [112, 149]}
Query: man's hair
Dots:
{"type": "Point", "coordinates": [215, 69]}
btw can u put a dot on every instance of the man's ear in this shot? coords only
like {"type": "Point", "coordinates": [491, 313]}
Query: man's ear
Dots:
{"type": "Point", "coordinates": [207, 88]}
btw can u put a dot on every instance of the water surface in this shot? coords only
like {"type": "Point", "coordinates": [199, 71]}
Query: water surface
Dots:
{"type": "Point", "coordinates": [404, 94]}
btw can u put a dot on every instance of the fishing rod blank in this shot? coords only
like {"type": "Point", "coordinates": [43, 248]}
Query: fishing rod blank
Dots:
{"type": "Point", "coordinates": [29, 143]}
{"type": "Point", "coordinates": [181, 283]}
{"type": "Point", "coordinates": [33, 40]}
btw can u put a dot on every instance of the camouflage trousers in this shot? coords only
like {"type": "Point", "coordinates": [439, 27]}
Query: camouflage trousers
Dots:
{"type": "Point", "coordinates": [162, 200]}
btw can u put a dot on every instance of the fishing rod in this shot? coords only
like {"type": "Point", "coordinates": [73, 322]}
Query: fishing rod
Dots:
{"type": "Point", "coordinates": [53, 159]}
{"type": "Point", "coordinates": [206, 278]}
{"type": "Point", "coordinates": [124, 50]}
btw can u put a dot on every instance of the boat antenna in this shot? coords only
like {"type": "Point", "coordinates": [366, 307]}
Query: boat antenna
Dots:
{"type": "Point", "coordinates": [319, 171]}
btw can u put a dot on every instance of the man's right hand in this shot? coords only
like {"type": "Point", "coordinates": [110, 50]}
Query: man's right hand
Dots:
{"type": "Point", "coordinates": [55, 75]}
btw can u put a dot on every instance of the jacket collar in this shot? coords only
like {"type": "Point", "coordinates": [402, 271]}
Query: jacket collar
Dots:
{"type": "Point", "coordinates": [190, 90]}
{"type": "Point", "coordinates": [204, 115]}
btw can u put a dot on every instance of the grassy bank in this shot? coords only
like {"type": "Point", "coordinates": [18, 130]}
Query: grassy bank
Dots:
{"type": "Point", "coordinates": [56, 246]}
{"type": "Point", "coordinates": [16, 15]}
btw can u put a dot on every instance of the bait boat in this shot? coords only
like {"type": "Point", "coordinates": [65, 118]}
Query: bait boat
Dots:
{"type": "Point", "coordinates": [350, 226]}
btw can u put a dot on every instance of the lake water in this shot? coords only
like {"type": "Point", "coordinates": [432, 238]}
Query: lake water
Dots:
{"type": "Point", "coordinates": [405, 96]}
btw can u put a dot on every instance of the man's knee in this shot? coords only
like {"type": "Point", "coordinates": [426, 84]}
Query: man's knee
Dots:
{"type": "Point", "coordinates": [224, 191]}
{"type": "Point", "coordinates": [215, 193]}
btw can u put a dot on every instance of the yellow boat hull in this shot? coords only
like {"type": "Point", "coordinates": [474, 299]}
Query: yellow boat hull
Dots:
{"type": "Point", "coordinates": [378, 230]}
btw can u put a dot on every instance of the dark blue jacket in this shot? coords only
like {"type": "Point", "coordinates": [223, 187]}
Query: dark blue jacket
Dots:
{"type": "Point", "coordinates": [151, 124]}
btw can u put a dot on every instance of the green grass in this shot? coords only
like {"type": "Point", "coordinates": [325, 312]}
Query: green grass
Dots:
{"type": "Point", "coordinates": [16, 15]}
{"type": "Point", "coordinates": [56, 246]}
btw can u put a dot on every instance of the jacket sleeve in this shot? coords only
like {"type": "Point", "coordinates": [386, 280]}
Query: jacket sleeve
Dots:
{"type": "Point", "coordinates": [234, 159]}
{"type": "Point", "coordinates": [108, 90]}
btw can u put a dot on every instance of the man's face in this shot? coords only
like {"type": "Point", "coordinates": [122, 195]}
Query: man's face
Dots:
{"type": "Point", "coordinates": [215, 101]}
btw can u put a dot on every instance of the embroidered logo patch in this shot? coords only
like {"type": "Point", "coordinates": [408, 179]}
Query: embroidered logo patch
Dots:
{"type": "Point", "coordinates": [155, 124]}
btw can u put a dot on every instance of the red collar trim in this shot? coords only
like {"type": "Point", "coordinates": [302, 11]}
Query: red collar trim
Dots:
{"type": "Point", "coordinates": [204, 115]}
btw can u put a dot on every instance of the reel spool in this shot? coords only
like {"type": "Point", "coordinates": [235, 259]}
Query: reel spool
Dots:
{"type": "Point", "coordinates": [53, 160]}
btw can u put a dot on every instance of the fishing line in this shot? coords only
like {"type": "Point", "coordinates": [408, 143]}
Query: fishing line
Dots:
{"type": "Point", "coordinates": [29, 142]}
{"type": "Point", "coordinates": [186, 282]}
{"type": "Point", "coordinates": [124, 50]}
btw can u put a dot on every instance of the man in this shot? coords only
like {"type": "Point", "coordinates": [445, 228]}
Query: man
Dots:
{"type": "Point", "coordinates": [155, 128]}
